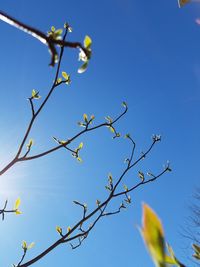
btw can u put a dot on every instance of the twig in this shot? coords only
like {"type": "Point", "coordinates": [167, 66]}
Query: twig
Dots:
{"type": "Point", "coordinates": [47, 40]}
{"type": "Point", "coordinates": [34, 114]}
{"type": "Point", "coordinates": [65, 238]}
{"type": "Point", "coordinates": [3, 210]}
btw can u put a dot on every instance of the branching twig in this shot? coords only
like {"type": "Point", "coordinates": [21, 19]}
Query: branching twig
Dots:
{"type": "Point", "coordinates": [67, 238]}
{"type": "Point", "coordinates": [47, 40]}
{"type": "Point", "coordinates": [34, 114]}
{"type": "Point", "coordinates": [3, 211]}
{"type": "Point", "coordinates": [32, 106]}
{"type": "Point", "coordinates": [69, 141]}
{"type": "Point", "coordinates": [22, 258]}
{"type": "Point", "coordinates": [76, 232]}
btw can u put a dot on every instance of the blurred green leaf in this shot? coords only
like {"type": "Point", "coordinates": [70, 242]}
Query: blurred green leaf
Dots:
{"type": "Point", "coordinates": [30, 143]}
{"type": "Point", "coordinates": [196, 248]}
{"type": "Point", "coordinates": [59, 229]}
{"type": "Point", "coordinates": [85, 118]}
{"type": "Point", "coordinates": [125, 187]}
{"type": "Point", "coordinates": [24, 245]}
{"type": "Point", "coordinates": [141, 175]}
{"type": "Point", "coordinates": [79, 159]}
{"type": "Point", "coordinates": [83, 67]}
{"type": "Point", "coordinates": [80, 146]}
{"type": "Point", "coordinates": [124, 104]}
{"type": "Point", "coordinates": [111, 129]}
{"type": "Point", "coordinates": [35, 94]}
{"type": "Point", "coordinates": [171, 259]}
{"type": "Point", "coordinates": [87, 42]}
{"type": "Point", "coordinates": [31, 245]}
{"type": "Point", "coordinates": [153, 235]}
{"type": "Point", "coordinates": [66, 77]}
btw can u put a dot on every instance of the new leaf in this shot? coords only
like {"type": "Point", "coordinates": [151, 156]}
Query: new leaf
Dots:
{"type": "Point", "coordinates": [153, 235]}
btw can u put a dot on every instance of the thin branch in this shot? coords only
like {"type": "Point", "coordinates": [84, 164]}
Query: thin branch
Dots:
{"type": "Point", "coordinates": [32, 106]}
{"type": "Point", "coordinates": [130, 166]}
{"type": "Point", "coordinates": [22, 258]}
{"type": "Point", "coordinates": [84, 206]}
{"type": "Point", "coordinates": [79, 244]}
{"type": "Point", "coordinates": [65, 238]}
{"type": "Point", "coordinates": [34, 114]}
{"type": "Point", "coordinates": [8, 166]}
{"type": "Point", "coordinates": [44, 102]}
{"type": "Point", "coordinates": [133, 149]}
{"type": "Point", "coordinates": [105, 124]}
{"type": "Point", "coordinates": [3, 211]}
{"type": "Point", "coordinates": [47, 40]}
{"type": "Point", "coordinates": [111, 213]}
{"type": "Point", "coordinates": [141, 183]}
{"type": "Point", "coordinates": [17, 158]}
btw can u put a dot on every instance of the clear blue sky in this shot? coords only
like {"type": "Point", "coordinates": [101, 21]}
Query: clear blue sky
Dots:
{"type": "Point", "coordinates": [144, 52]}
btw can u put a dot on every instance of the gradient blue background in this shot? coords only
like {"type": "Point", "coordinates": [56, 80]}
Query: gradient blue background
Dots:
{"type": "Point", "coordinates": [146, 53]}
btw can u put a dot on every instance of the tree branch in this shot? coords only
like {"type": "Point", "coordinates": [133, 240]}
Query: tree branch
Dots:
{"type": "Point", "coordinates": [47, 40]}
{"type": "Point", "coordinates": [65, 238]}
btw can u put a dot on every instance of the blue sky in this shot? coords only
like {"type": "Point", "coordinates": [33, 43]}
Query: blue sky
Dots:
{"type": "Point", "coordinates": [145, 53]}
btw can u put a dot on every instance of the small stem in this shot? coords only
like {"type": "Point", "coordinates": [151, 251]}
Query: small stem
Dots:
{"type": "Point", "coordinates": [105, 124]}
{"type": "Point", "coordinates": [8, 166]}
{"type": "Point", "coordinates": [32, 106]}
{"type": "Point", "coordinates": [34, 114]}
{"type": "Point", "coordinates": [23, 256]}
{"type": "Point", "coordinates": [101, 207]}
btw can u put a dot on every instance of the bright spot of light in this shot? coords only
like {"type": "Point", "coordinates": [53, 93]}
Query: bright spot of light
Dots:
{"type": "Point", "coordinates": [197, 20]}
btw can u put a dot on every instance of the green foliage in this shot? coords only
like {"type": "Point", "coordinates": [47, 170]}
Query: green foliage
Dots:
{"type": "Point", "coordinates": [67, 26]}
{"type": "Point", "coordinates": [85, 118]}
{"type": "Point", "coordinates": [124, 104]}
{"type": "Point", "coordinates": [59, 230]}
{"type": "Point", "coordinates": [66, 77]}
{"type": "Point", "coordinates": [55, 34]}
{"type": "Point", "coordinates": [153, 236]}
{"type": "Point", "coordinates": [141, 175]}
{"type": "Point", "coordinates": [109, 119]}
{"type": "Point", "coordinates": [196, 254]}
{"type": "Point", "coordinates": [98, 202]}
{"type": "Point", "coordinates": [125, 188]}
{"type": "Point", "coordinates": [87, 42]}
{"type": "Point", "coordinates": [25, 246]}
{"type": "Point", "coordinates": [30, 143]}
{"type": "Point", "coordinates": [16, 206]}
{"type": "Point", "coordinates": [85, 55]}
{"type": "Point", "coordinates": [152, 229]}
{"type": "Point", "coordinates": [35, 94]}
{"type": "Point", "coordinates": [86, 121]}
